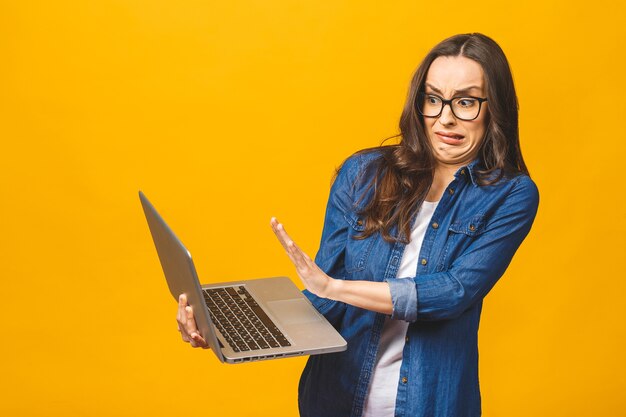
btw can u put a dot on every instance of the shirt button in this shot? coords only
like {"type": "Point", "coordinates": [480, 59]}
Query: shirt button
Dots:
{"type": "Point", "coordinates": [451, 191]}
{"type": "Point", "coordinates": [405, 380]}
{"type": "Point", "coordinates": [424, 261]}
{"type": "Point", "coordinates": [359, 222]}
{"type": "Point", "coordinates": [435, 225]}
{"type": "Point", "coordinates": [472, 227]}
{"type": "Point", "coordinates": [406, 338]}
{"type": "Point", "coordinates": [462, 172]}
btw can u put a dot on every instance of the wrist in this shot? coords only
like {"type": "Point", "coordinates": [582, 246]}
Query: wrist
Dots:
{"type": "Point", "coordinates": [333, 289]}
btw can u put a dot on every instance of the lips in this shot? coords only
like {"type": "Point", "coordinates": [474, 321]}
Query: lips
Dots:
{"type": "Point", "coordinates": [450, 138]}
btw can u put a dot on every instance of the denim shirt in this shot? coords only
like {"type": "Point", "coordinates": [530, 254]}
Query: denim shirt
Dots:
{"type": "Point", "coordinates": [472, 237]}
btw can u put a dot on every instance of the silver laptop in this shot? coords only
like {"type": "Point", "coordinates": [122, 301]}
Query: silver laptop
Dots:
{"type": "Point", "coordinates": [248, 320]}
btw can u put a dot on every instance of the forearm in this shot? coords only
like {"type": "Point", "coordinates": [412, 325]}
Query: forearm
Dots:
{"type": "Point", "coordinates": [374, 296]}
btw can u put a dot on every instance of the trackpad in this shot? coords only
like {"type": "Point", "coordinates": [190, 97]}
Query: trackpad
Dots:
{"type": "Point", "coordinates": [294, 311]}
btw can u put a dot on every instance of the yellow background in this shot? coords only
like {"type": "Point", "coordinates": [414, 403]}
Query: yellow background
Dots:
{"type": "Point", "coordinates": [226, 113]}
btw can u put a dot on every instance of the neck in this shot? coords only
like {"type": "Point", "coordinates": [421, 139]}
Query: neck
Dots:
{"type": "Point", "coordinates": [444, 174]}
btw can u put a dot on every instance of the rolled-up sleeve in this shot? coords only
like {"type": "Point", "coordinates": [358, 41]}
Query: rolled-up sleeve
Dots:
{"type": "Point", "coordinates": [404, 298]}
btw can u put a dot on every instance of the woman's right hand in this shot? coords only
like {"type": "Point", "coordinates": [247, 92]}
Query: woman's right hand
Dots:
{"type": "Point", "coordinates": [187, 324]}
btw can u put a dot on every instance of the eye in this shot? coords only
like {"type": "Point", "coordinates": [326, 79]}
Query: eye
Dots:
{"type": "Point", "coordinates": [466, 102]}
{"type": "Point", "coordinates": [430, 99]}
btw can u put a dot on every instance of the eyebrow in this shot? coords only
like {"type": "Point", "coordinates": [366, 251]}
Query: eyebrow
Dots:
{"type": "Point", "coordinates": [461, 91]}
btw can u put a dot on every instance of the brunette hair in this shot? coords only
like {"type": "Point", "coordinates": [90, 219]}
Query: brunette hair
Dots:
{"type": "Point", "coordinates": [404, 172]}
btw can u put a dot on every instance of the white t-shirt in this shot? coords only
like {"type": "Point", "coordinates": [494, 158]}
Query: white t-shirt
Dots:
{"type": "Point", "coordinates": [381, 395]}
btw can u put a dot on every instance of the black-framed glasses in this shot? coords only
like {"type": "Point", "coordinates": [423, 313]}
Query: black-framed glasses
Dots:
{"type": "Point", "coordinates": [463, 108]}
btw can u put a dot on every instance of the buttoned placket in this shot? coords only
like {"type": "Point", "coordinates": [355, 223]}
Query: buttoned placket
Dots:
{"type": "Point", "coordinates": [445, 201]}
{"type": "Point", "coordinates": [422, 268]}
{"type": "Point", "coordinates": [370, 357]}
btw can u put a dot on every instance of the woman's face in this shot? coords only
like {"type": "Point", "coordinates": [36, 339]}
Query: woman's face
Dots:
{"type": "Point", "coordinates": [455, 142]}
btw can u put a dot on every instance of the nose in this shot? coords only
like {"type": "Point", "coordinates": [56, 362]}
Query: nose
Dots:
{"type": "Point", "coordinates": [446, 117]}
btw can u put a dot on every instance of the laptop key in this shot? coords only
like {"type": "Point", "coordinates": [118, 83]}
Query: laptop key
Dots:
{"type": "Point", "coordinates": [262, 343]}
{"type": "Point", "coordinates": [283, 342]}
{"type": "Point", "coordinates": [242, 322]}
{"type": "Point", "coordinates": [253, 345]}
{"type": "Point", "coordinates": [264, 318]}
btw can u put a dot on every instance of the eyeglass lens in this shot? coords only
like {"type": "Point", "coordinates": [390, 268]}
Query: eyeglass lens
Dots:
{"type": "Point", "coordinates": [463, 107]}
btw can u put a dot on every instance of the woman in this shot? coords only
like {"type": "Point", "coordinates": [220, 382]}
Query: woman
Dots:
{"type": "Point", "coordinates": [415, 235]}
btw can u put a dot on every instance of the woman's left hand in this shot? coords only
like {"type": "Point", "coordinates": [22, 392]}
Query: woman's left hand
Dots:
{"type": "Point", "coordinates": [314, 279]}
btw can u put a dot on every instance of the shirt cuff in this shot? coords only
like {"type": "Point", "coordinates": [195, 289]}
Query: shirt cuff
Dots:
{"type": "Point", "coordinates": [404, 299]}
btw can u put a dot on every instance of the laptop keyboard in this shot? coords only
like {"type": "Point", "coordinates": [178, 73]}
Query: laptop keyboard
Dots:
{"type": "Point", "coordinates": [241, 320]}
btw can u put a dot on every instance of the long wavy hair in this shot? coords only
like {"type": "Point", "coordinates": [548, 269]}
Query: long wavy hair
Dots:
{"type": "Point", "coordinates": [404, 172]}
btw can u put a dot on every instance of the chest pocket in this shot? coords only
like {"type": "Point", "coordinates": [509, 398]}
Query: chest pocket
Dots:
{"type": "Point", "coordinates": [357, 251]}
{"type": "Point", "coordinates": [470, 227]}
{"type": "Point", "coordinates": [461, 234]}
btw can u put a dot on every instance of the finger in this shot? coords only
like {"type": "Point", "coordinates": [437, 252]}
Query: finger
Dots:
{"type": "Point", "coordinates": [284, 240]}
{"type": "Point", "coordinates": [190, 323]}
{"type": "Point", "coordinates": [287, 241]}
{"type": "Point", "coordinates": [296, 255]}
{"type": "Point", "coordinates": [302, 255]}
{"type": "Point", "coordinates": [182, 303]}
{"type": "Point", "coordinates": [186, 325]}
{"type": "Point", "coordinates": [184, 335]}
{"type": "Point", "coordinates": [183, 332]}
{"type": "Point", "coordinates": [302, 260]}
{"type": "Point", "coordinates": [199, 340]}
{"type": "Point", "coordinates": [180, 318]}
{"type": "Point", "coordinates": [306, 259]}
{"type": "Point", "coordinates": [281, 233]}
{"type": "Point", "coordinates": [293, 250]}
{"type": "Point", "coordinates": [274, 224]}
